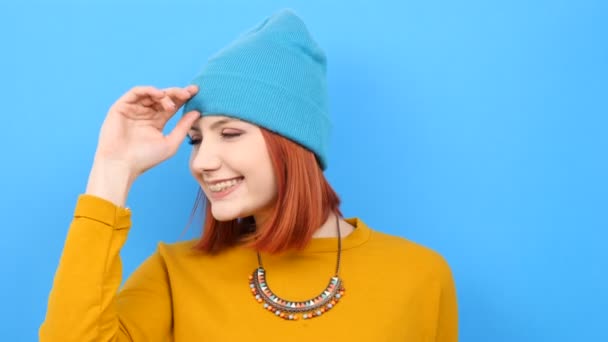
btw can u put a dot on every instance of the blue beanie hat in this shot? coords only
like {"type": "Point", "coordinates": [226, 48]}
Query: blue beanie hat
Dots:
{"type": "Point", "coordinates": [272, 76]}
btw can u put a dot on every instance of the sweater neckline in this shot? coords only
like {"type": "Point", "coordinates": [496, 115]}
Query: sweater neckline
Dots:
{"type": "Point", "coordinates": [357, 237]}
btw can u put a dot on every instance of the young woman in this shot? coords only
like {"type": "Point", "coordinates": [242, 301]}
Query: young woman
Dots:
{"type": "Point", "coordinates": [276, 260]}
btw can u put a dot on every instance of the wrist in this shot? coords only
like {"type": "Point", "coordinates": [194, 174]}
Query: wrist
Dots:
{"type": "Point", "coordinates": [110, 180]}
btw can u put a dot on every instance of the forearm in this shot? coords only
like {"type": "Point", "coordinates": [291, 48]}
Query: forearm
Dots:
{"type": "Point", "coordinates": [81, 302]}
{"type": "Point", "coordinates": [110, 180]}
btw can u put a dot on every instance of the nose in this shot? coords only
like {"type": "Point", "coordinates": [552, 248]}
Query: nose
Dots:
{"type": "Point", "coordinates": [206, 158]}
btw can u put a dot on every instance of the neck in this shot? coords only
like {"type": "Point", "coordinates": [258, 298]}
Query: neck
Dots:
{"type": "Point", "coordinates": [329, 229]}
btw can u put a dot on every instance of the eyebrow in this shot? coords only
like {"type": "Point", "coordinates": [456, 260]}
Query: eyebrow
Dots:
{"type": "Point", "coordinates": [215, 124]}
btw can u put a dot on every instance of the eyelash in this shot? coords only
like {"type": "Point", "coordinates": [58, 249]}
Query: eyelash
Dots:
{"type": "Point", "coordinates": [224, 135]}
{"type": "Point", "coordinates": [193, 141]}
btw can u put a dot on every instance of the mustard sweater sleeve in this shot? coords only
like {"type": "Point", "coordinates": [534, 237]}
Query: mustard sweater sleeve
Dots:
{"type": "Point", "coordinates": [447, 320]}
{"type": "Point", "coordinates": [84, 303]}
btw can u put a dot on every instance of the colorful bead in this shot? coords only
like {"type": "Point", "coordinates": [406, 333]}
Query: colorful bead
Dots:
{"type": "Point", "coordinates": [290, 310]}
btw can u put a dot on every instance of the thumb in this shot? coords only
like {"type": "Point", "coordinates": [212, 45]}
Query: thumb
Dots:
{"type": "Point", "coordinates": [180, 131]}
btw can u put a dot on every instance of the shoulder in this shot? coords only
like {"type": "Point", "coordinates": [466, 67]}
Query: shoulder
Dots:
{"type": "Point", "coordinates": [180, 247]}
{"type": "Point", "coordinates": [178, 251]}
{"type": "Point", "coordinates": [408, 254]}
{"type": "Point", "coordinates": [185, 253]}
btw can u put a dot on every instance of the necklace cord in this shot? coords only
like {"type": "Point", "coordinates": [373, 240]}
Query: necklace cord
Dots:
{"type": "Point", "coordinates": [339, 245]}
{"type": "Point", "coordinates": [339, 248]}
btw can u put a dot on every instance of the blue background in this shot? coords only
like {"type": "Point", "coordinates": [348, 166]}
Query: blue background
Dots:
{"type": "Point", "coordinates": [477, 128]}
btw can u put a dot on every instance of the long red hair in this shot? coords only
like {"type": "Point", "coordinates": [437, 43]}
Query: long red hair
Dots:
{"type": "Point", "coordinates": [303, 203]}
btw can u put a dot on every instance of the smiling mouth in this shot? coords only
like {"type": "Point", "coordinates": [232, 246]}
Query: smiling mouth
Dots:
{"type": "Point", "coordinates": [225, 185]}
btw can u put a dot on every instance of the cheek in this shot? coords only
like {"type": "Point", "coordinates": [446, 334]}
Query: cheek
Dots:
{"type": "Point", "coordinates": [267, 184]}
{"type": "Point", "coordinates": [260, 176]}
{"type": "Point", "coordinates": [261, 191]}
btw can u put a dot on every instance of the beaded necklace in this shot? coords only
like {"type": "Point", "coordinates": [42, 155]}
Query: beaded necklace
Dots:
{"type": "Point", "coordinates": [291, 310]}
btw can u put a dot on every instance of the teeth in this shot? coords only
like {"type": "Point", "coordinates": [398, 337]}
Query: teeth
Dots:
{"type": "Point", "coordinates": [224, 185]}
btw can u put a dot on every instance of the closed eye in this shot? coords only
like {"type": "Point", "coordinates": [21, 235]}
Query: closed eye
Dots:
{"type": "Point", "coordinates": [226, 135]}
{"type": "Point", "coordinates": [230, 133]}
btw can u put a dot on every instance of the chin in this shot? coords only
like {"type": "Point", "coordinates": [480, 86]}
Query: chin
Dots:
{"type": "Point", "coordinates": [224, 213]}
{"type": "Point", "coordinates": [223, 216]}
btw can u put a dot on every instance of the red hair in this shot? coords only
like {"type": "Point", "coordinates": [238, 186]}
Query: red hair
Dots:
{"type": "Point", "coordinates": [303, 203]}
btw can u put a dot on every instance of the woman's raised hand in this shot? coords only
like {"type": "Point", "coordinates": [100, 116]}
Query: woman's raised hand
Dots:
{"type": "Point", "coordinates": [131, 139]}
{"type": "Point", "coordinates": [132, 132]}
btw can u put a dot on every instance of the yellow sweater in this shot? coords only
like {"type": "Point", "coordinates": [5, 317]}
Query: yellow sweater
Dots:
{"type": "Point", "coordinates": [396, 290]}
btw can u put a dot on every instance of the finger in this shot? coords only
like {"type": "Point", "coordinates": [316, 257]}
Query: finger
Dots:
{"type": "Point", "coordinates": [140, 92]}
{"type": "Point", "coordinates": [138, 112]}
{"type": "Point", "coordinates": [180, 95]}
{"type": "Point", "coordinates": [149, 96]}
{"type": "Point", "coordinates": [177, 96]}
{"type": "Point", "coordinates": [162, 104]}
{"type": "Point", "coordinates": [168, 104]}
{"type": "Point", "coordinates": [178, 134]}
{"type": "Point", "coordinates": [147, 101]}
{"type": "Point", "coordinates": [192, 89]}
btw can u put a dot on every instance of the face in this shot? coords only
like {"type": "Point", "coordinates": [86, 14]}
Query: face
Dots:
{"type": "Point", "coordinates": [231, 163]}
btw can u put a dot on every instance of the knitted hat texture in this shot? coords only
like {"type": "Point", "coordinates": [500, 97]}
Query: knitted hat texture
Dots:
{"type": "Point", "coordinates": [274, 76]}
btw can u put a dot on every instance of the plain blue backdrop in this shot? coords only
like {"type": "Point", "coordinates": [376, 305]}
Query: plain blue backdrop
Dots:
{"type": "Point", "coordinates": [477, 128]}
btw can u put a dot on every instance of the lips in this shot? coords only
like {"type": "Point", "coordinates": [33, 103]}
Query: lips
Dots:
{"type": "Point", "coordinates": [213, 182]}
{"type": "Point", "coordinates": [221, 189]}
